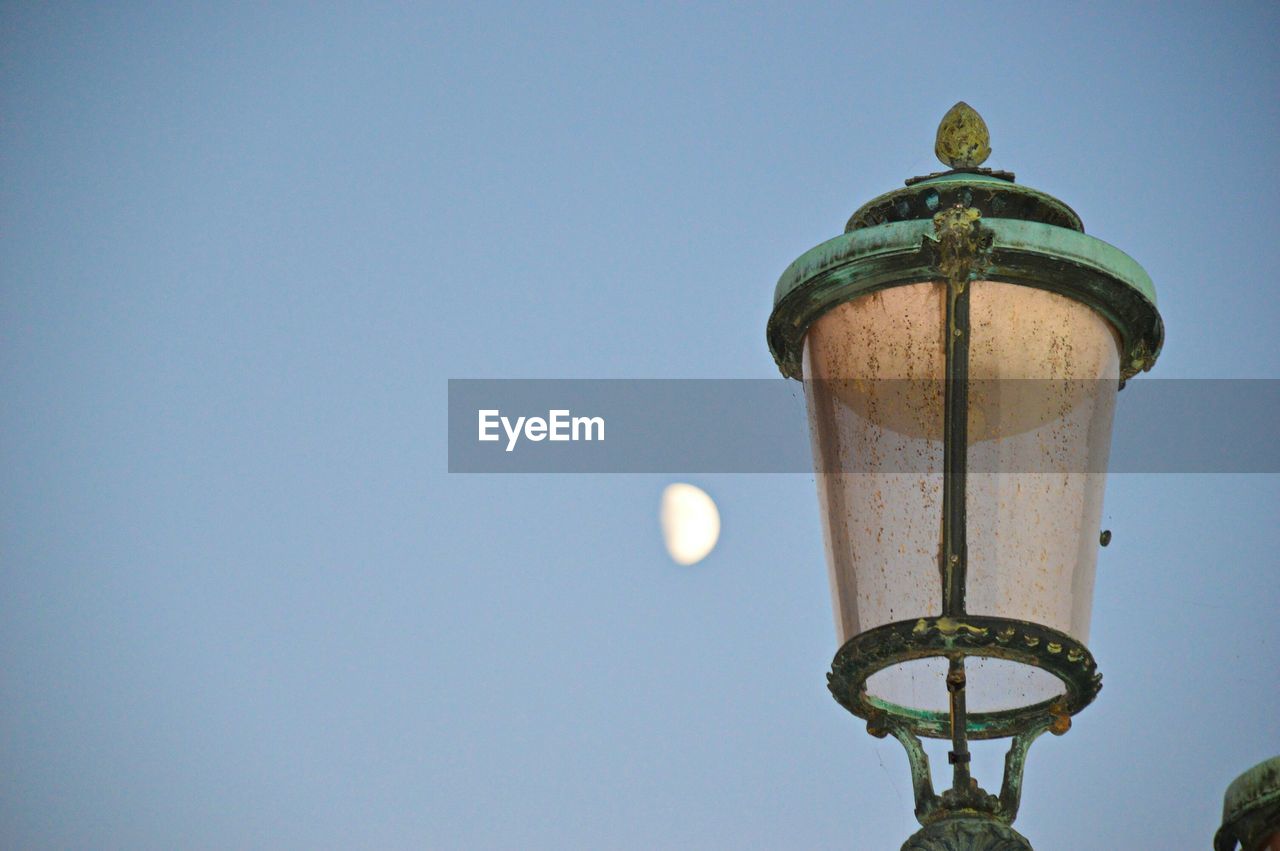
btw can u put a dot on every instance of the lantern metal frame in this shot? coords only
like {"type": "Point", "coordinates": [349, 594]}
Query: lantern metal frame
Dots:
{"type": "Point", "coordinates": [955, 228]}
{"type": "Point", "coordinates": [1251, 809]}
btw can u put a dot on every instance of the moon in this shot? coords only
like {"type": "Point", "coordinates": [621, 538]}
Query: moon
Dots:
{"type": "Point", "coordinates": [690, 523]}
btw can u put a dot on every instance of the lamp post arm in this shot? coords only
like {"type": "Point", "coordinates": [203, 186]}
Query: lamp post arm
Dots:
{"type": "Point", "coordinates": [1014, 763]}
{"type": "Point", "coordinates": [921, 775]}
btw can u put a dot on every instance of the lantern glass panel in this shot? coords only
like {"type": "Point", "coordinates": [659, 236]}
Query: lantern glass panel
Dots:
{"type": "Point", "coordinates": [1043, 376]}
{"type": "Point", "coordinates": [1042, 406]}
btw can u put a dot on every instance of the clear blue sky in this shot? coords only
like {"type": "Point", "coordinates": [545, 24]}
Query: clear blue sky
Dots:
{"type": "Point", "coordinates": [243, 604]}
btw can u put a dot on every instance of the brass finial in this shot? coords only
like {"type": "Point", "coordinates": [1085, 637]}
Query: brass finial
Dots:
{"type": "Point", "coordinates": [963, 140]}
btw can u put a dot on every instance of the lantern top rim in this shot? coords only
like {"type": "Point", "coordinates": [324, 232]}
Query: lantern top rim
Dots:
{"type": "Point", "coordinates": [1023, 252]}
{"type": "Point", "coordinates": [910, 236]}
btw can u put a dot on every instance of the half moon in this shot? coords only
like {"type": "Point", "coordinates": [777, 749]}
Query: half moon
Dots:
{"type": "Point", "coordinates": [690, 523]}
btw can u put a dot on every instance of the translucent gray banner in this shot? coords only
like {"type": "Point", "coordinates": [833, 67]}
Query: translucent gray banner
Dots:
{"type": "Point", "coordinates": [760, 426]}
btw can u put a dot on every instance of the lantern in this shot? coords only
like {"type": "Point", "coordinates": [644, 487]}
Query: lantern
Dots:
{"type": "Point", "coordinates": [1251, 810]}
{"type": "Point", "coordinates": [961, 347]}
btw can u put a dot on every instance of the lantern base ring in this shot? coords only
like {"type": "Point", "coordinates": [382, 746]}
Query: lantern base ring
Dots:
{"type": "Point", "coordinates": [955, 637]}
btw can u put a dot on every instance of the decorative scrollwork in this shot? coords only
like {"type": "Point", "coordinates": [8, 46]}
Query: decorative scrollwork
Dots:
{"type": "Point", "coordinates": [964, 245]}
{"type": "Point", "coordinates": [1140, 359]}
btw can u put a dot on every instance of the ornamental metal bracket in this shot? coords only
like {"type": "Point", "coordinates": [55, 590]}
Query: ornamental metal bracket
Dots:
{"type": "Point", "coordinates": [964, 245]}
{"type": "Point", "coordinates": [969, 819]}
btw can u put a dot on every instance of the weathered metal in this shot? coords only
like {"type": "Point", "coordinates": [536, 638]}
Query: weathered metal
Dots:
{"type": "Point", "coordinates": [956, 228]}
{"type": "Point", "coordinates": [1251, 809]}
{"type": "Point", "coordinates": [1028, 253]}
{"type": "Point", "coordinates": [968, 800]}
{"type": "Point", "coordinates": [994, 197]}
{"type": "Point", "coordinates": [967, 834]}
{"type": "Point", "coordinates": [962, 248]}
{"type": "Point", "coordinates": [973, 635]}
{"type": "Point", "coordinates": [963, 140]}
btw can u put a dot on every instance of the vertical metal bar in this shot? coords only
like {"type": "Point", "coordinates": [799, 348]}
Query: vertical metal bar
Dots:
{"type": "Point", "coordinates": [955, 428]}
{"type": "Point", "coordinates": [955, 445]}
{"type": "Point", "coordinates": [959, 755]}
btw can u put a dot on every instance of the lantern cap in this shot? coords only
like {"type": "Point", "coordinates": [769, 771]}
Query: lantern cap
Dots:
{"type": "Point", "coordinates": [1034, 239]}
{"type": "Point", "coordinates": [1251, 807]}
{"type": "Point", "coordinates": [964, 143]}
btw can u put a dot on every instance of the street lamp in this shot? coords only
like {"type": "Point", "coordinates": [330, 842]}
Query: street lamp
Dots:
{"type": "Point", "coordinates": [1251, 810]}
{"type": "Point", "coordinates": [961, 346]}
